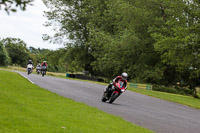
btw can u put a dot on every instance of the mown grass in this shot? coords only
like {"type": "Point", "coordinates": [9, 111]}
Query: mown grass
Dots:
{"type": "Point", "coordinates": [27, 108]}
{"type": "Point", "coordinates": [14, 68]}
{"type": "Point", "coordinates": [185, 100]}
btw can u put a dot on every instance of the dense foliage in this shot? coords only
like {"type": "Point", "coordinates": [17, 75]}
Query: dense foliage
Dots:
{"type": "Point", "coordinates": [155, 41]}
{"type": "Point", "coordinates": [4, 58]}
{"type": "Point", "coordinates": [17, 51]}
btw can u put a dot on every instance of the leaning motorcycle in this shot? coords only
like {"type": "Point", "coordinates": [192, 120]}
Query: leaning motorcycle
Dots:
{"type": "Point", "coordinates": [29, 68]}
{"type": "Point", "coordinates": [117, 89]}
{"type": "Point", "coordinates": [43, 70]}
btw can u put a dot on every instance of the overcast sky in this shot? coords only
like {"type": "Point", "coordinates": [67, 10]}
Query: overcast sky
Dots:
{"type": "Point", "coordinates": [27, 25]}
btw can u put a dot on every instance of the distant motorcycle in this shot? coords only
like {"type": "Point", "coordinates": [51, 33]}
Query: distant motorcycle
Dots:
{"type": "Point", "coordinates": [43, 70]}
{"type": "Point", "coordinates": [118, 89]}
{"type": "Point", "coordinates": [38, 70]}
{"type": "Point", "coordinates": [29, 68]}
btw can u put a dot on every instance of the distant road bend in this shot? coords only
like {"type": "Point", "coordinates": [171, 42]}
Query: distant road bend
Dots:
{"type": "Point", "coordinates": [157, 115]}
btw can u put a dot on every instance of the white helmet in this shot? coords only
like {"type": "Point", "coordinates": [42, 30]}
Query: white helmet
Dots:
{"type": "Point", "coordinates": [124, 75]}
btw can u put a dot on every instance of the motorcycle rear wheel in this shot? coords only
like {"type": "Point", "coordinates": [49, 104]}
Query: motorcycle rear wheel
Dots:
{"type": "Point", "coordinates": [103, 99]}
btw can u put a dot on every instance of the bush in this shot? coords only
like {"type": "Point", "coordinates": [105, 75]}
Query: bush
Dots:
{"type": "Point", "coordinates": [55, 68]}
{"type": "Point", "coordinates": [196, 93]}
{"type": "Point", "coordinates": [164, 89]}
{"type": "Point", "coordinates": [175, 90]}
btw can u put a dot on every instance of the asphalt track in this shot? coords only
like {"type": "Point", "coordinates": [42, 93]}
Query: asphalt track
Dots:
{"type": "Point", "coordinates": [157, 115]}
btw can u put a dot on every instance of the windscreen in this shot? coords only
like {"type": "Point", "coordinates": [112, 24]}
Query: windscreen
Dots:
{"type": "Point", "coordinates": [121, 84]}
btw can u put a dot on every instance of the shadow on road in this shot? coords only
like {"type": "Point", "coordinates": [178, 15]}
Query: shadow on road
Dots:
{"type": "Point", "coordinates": [114, 104]}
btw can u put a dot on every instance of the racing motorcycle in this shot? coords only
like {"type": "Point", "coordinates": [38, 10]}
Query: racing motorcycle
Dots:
{"type": "Point", "coordinates": [29, 68]}
{"type": "Point", "coordinates": [43, 70]}
{"type": "Point", "coordinates": [117, 89]}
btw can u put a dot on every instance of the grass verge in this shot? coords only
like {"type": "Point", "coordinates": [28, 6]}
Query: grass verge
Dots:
{"type": "Point", "coordinates": [25, 107]}
{"type": "Point", "coordinates": [185, 100]}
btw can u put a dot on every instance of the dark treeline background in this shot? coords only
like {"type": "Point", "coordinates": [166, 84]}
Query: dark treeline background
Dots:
{"type": "Point", "coordinates": [154, 41]}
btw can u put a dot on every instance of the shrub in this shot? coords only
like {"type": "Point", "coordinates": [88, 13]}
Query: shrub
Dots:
{"type": "Point", "coordinates": [175, 90]}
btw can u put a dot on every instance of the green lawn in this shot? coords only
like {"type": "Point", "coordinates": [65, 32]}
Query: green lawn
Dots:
{"type": "Point", "coordinates": [27, 108]}
{"type": "Point", "coordinates": [185, 100]}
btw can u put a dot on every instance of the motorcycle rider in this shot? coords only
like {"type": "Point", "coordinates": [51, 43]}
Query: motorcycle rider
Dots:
{"type": "Point", "coordinates": [38, 67]}
{"type": "Point", "coordinates": [44, 64]}
{"type": "Point", "coordinates": [123, 77]}
{"type": "Point", "coordinates": [30, 62]}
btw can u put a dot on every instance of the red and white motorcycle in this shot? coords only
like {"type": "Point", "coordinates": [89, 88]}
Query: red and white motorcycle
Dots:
{"type": "Point", "coordinates": [117, 89]}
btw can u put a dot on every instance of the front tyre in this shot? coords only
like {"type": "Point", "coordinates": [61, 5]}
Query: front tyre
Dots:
{"type": "Point", "coordinates": [43, 73]}
{"type": "Point", "coordinates": [28, 71]}
{"type": "Point", "coordinates": [113, 97]}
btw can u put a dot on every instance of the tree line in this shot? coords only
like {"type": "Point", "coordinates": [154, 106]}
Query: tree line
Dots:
{"type": "Point", "coordinates": [14, 51]}
{"type": "Point", "coordinates": [154, 41]}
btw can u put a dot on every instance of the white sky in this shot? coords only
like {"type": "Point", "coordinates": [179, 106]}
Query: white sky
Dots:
{"type": "Point", "coordinates": [27, 25]}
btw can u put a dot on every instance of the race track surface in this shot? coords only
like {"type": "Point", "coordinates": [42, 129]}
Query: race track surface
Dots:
{"type": "Point", "coordinates": [157, 115]}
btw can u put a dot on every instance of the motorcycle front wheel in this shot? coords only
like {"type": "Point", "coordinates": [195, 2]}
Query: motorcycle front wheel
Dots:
{"type": "Point", "coordinates": [113, 97]}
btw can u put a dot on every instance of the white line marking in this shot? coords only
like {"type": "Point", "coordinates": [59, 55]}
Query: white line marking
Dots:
{"type": "Point", "coordinates": [20, 74]}
{"type": "Point", "coordinates": [25, 77]}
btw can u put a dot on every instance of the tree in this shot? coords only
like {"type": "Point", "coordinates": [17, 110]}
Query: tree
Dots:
{"type": "Point", "coordinates": [98, 29]}
{"type": "Point", "coordinates": [55, 60]}
{"type": "Point", "coordinates": [17, 51]}
{"type": "Point", "coordinates": [4, 58]}
{"type": "Point", "coordinates": [73, 26]}
{"type": "Point", "coordinates": [177, 39]}
{"type": "Point", "coordinates": [8, 4]}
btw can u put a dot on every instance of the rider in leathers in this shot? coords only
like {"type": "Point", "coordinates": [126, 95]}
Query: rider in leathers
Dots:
{"type": "Point", "coordinates": [30, 62]}
{"type": "Point", "coordinates": [109, 88]}
{"type": "Point", "coordinates": [38, 67]}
